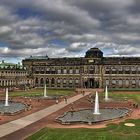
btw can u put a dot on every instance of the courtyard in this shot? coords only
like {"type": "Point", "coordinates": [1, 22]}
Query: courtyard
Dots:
{"type": "Point", "coordinates": [48, 128]}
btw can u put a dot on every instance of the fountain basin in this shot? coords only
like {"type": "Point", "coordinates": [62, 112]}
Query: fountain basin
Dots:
{"type": "Point", "coordinates": [88, 116]}
{"type": "Point", "coordinates": [13, 108]}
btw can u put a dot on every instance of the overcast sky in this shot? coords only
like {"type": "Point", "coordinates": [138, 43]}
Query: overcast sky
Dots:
{"type": "Point", "coordinates": [61, 28]}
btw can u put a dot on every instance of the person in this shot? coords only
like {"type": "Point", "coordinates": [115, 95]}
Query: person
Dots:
{"type": "Point", "coordinates": [30, 100]}
{"type": "Point", "coordinates": [56, 101]}
{"type": "Point", "coordinates": [72, 109]}
{"type": "Point", "coordinates": [38, 100]}
{"type": "Point", "coordinates": [83, 93]}
{"type": "Point", "coordinates": [65, 99]}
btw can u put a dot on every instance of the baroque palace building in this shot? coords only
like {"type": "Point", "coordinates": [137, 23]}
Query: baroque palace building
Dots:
{"type": "Point", "coordinates": [14, 75]}
{"type": "Point", "coordinates": [92, 71]}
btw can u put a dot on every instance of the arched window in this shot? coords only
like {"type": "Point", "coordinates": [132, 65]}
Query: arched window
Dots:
{"type": "Point", "coordinates": [70, 81]}
{"type": "Point", "coordinates": [133, 82]}
{"type": "Point", "coordinates": [36, 80]}
{"type": "Point", "coordinates": [52, 81]}
{"type": "Point", "coordinates": [58, 80]}
{"type": "Point", "coordinates": [107, 82]}
{"type": "Point", "coordinates": [41, 81]}
{"type": "Point", "coordinates": [64, 81]}
{"type": "Point", "coordinates": [47, 80]}
{"type": "Point", "coordinates": [77, 81]}
{"type": "Point", "coordinates": [127, 83]}
{"type": "Point", "coordinates": [120, 82]}
{"type": "Point", "coordinates": [114, 82]}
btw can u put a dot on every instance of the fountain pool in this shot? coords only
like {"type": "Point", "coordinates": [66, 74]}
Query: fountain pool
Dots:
{"type": "Point", "coordinates": [12, 108]}
{"type": "Point", "coordinates": [87, 116]}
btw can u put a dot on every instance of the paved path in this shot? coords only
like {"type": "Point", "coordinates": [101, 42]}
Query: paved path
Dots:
{"type": "Point", "coordinates": [15, 125]}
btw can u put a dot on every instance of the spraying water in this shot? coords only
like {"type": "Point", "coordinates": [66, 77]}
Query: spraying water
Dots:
{"type": "Point", "coordinates": [96, 108]}
{"type": "Point", "coordinates": [6, 98]}
{"type": "Point", "coordinates": [45, 93]}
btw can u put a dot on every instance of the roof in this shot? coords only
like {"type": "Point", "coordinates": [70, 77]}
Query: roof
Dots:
{"type": "Point", "coordinates": [94, 53]}
{"type": "Point", "coordinates": [37, 57]}
{"type": "Point", "coordinates": [4, 65]}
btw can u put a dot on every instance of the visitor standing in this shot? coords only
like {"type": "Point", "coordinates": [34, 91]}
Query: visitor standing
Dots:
{"type": "Point", "coordinates": [56, 101]}
{"type": "Point", "coordinates": [65, 99]}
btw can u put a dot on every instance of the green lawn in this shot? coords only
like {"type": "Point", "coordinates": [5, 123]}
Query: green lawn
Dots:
{"type": "Point", "coordinates": [132, 95]}
{"type": "Point", "coordinates": [112, 132]}
{"type": "Point", "coordinates": [39, 92]}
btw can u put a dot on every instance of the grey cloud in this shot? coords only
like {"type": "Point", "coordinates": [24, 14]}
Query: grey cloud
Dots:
{"type": "Point", "coordinates": [107, 24]}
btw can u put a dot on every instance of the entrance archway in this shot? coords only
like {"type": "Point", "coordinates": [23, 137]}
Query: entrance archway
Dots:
{"type": "Point", "coordinates": [91, 83]}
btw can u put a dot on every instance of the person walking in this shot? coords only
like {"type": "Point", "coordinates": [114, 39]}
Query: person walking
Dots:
{"type": "Point", "coordinates": [65, 99]}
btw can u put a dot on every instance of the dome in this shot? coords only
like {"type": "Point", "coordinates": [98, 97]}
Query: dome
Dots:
{"type": "Point", "coordinates": [94, 53]}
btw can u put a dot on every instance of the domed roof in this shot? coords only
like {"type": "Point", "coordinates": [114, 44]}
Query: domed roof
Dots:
{"type": "Point", "coordinates": [94, 53]}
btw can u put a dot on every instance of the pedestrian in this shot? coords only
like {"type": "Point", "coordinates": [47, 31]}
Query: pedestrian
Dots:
{"type": "Point", "coordinates": [65, 99]}
{"type": "Point", "coordinates": [30, 100]}
{"type": "Point", "coordinates": [56, 101]}
{"type": "Point", "coordinates": [83, 93]}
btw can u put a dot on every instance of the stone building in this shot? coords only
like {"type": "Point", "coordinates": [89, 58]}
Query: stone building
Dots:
{"type": "Point", "coordinates": [14, 75]}
{"type": "Point", "coordinates": [92, 71]}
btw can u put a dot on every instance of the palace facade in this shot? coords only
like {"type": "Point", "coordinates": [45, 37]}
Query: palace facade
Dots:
{"type": "Point", "coordinates": [92, 71]}
{"type": "Point", "coordinates": [14, 75]}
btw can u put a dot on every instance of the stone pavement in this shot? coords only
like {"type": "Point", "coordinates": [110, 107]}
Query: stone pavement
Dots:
{"type": "Point", "coordinates": [18, 124]}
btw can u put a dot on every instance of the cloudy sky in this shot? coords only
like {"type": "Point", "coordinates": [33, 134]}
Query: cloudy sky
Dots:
{"type": "Point", "coordinates": [62, 28]}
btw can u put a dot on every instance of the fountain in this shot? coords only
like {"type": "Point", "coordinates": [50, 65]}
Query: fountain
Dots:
{"type": "Point", "coordinates": [45, 95]}
{"type": "Point", "coordinates": [106, 94]}
{"type": "Point", "coordinates": [11, 107]}
{"type": "Point", "coordinates": [6, 98]}
{"type": "Point", "coordinates": [89, 116]}
{"type": "Point", "coordinates": [96, 108]}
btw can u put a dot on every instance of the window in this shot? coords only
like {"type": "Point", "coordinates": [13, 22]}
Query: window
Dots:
{"type": "Point", "coordinates": [64, 71]}
{"type": "Point", "coordinates": [76, 81]}
{"type": "Point", "coordinates": [64, 81]}
{"type": "Point", "coordinates": [52, 81]}
{"type": "Point", "coordinates": [41, 81]}
{"type": "Point", "coordinates": [47, 81]}
{"type": "Point", "coordinates": [58, 81]}
{"type": "Point", "coordinates": [59, 71]}
{"type": "Point", "coordinates": [71, 71]}
{"type": "Point", "coordinates": [127, 83]}
{"type": "Point", "coordinates": [70, 81]}
{"type": "Point", "coordinates": [107, 82]}
{"type": "Point", "coordinates": [36, 80]}
{"type": "Point", "coordinates": [120, 83]}
{"type": "Point", "coordinates": [133, 70]}
{"type": "Point", "coordinates": [77, 71]}
{"type": "Point", "coordinates": [133, 82]}
{"type": "Point", "coordinates": [114, 82]}
{"type": "Point", "coordinates": [107, 72]}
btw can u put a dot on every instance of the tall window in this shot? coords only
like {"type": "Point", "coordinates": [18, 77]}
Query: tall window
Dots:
{"type": "Point", "coordinates": [58, 81]}
{"type": "Point", "coordinates": [52, 81]}
{"type": "Point", "coordinates": [64, 81]}
{"type": "Point", "coordinates": [107, 82]}
{"type": "Point", "coordinates": [120, 82]}
{"type": "Point", "coordinates": [59, 71]}
{"type": "Point", "coordinates": [65, 71]}
{"type": "Point", "coordinates": [41, 81]}
{"type": "Point", "coordinates": [36, 80]}
{"type": "Point", "coordinates": [77, 71]}
{"type": "Point", "coordinates": [127, 82]}
{"type": "Point", "coordinates": [47, 81]}
{"type": "Point", "coordinates": [71, 71]}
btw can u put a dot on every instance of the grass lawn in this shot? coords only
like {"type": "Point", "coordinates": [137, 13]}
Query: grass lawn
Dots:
{"type": "Point", "coordinates": [39, 92]}
{"type": "Point", "coordinates": [112, 132]}
{"type": "Point", "coordinates": [132, 95]}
